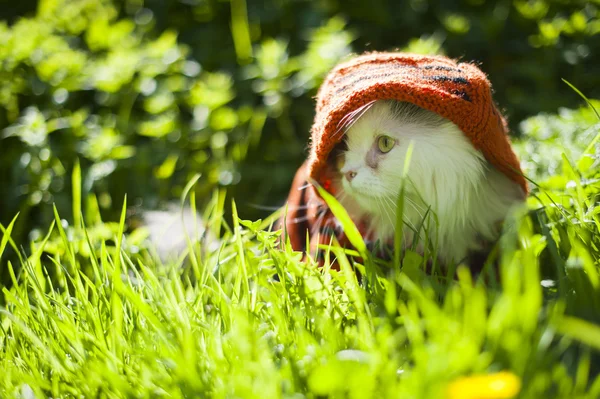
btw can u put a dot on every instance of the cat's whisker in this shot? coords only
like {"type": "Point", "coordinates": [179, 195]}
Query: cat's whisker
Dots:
{"type": "Point", "coordinates": [385, 209]}
{"type": "Point", "coordinates": [407, 199]}
{"type": "Point", "coordinates": [298, 220]}
{"type": "Point", "coordinates": [318, 223]}
{"type": "Point", "coordinates": [416, 207]}
{"type": "Point", "coordinates": [358, 114]}
{"type": "Point", "coordinates": [296, 208]}
{"type": "Point", "coordinates": [392, 208]}
{"type": "Point", "coordinates": [404, 219]}
{"type": "Point", "coordinates": [350, 118]}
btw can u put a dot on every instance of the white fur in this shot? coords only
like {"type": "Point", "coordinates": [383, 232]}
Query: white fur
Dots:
{"type": "Point", "coordinates": [446, 173]}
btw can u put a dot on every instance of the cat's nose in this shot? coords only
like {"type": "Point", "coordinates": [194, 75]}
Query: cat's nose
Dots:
{"type": "Point", "coordinates": [350, 175]}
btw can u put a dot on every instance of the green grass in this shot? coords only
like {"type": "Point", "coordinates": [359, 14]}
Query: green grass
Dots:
{"type": "Point", "coordinates": [92, 313]}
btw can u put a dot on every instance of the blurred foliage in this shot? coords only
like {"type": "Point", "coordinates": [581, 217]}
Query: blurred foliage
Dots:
{"type": "Point", "coordinates": [145, 94]}
{"type": "Point", "coordinates": [562, 153]}
{"type": "Point", "coordinates": [546, 137]}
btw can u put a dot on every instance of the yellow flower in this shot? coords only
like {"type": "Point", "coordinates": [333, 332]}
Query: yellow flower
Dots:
{"type": "Point", "coordinates": [502, 385]}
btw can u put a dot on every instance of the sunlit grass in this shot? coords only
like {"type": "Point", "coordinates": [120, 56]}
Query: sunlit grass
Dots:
{"type": "Point", "coordinates": [91, 313]}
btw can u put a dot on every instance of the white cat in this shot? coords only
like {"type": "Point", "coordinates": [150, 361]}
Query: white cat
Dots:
{"type": "Point", "coordinates": [447, 177]}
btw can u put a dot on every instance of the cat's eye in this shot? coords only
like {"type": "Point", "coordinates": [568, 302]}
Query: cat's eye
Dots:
{"type": "Point", "coordinates": [385, 143]}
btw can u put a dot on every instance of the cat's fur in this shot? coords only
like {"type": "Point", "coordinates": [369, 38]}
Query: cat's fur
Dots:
{"type": "Point", "coordinates": [464, 197]}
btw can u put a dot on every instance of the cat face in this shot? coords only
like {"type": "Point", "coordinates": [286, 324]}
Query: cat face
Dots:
{"type": "Point", "coordinates": [376, 146]}
{"type": "Point", "coordinates": [373, 165]}
{"type": "Point", "coordinates": [446, 175]}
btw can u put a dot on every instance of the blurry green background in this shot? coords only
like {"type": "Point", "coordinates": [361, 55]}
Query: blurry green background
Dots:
{"type": "Point", "coordinates": [145, 94]}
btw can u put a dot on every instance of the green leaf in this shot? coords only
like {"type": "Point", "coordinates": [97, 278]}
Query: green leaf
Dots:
{"type": "Point", "coordinates": [350, 229]}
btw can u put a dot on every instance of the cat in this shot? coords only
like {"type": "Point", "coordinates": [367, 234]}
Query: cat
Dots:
{"type": "Point", "coordinates": [453, 195]}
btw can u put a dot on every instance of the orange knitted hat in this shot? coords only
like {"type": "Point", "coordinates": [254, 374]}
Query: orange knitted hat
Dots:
{"type": "Point", "coordinates": [460, 92]}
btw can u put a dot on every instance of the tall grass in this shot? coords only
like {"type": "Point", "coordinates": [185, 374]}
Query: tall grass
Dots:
{"type": "Point", "coordinates": [92, 313]}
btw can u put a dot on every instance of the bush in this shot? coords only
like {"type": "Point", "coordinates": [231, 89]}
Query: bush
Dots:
{"type": "Point", "coordinates": [146, 95]}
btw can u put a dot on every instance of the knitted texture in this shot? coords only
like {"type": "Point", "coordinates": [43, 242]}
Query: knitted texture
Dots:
{"type": "Point", "coordinates": [460, 92]}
